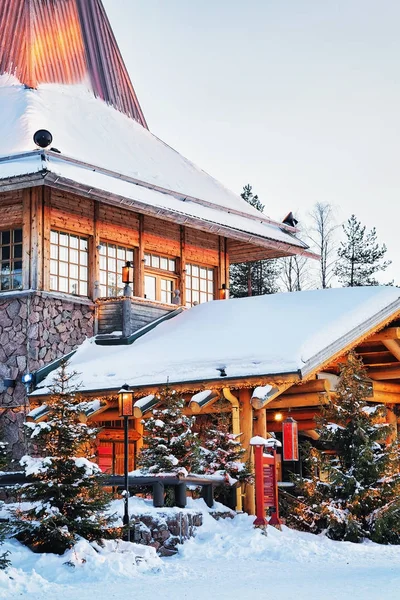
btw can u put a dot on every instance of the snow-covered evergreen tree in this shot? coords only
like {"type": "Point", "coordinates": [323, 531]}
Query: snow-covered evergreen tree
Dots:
{"type": "Point", "coordinates": [360, 256]}
{"type": "Point", "coordinates": [254, 278]}
{"type": "Point", "coordinates": [4, 462]}
{"type": "Point", "coordinates": [223, 452]}
{"type": "Point", "coordinates": [170, 446]}
{"type": "Point", "coordinates": [66, 492]}
{"type": "Point", "coordinates": [353, 494]}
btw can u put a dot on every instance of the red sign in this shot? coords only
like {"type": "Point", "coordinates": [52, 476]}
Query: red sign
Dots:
{"type": "Point", "coordinates": [290, 439]}
{"type": "Point", "coordinates": [266, 487]}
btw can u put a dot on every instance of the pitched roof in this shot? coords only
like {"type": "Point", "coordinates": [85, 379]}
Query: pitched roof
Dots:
{"type": "Point", "coordinates": [61, 70]}
{"type": "Point", "coordinates": [67, 42]}
{"type": "Point", "coordinates": [288, 333]}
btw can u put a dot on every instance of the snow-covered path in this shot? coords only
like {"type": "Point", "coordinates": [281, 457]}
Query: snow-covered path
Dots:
{"type": "Point", "coordinates": [227, 559]}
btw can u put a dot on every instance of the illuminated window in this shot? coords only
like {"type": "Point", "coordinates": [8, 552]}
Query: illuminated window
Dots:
{"type": "Point", "coordinates": [199, 284]}
{"type": "Point", "coordinates": [112, 259]}
{"type": "Point", "coordinates": [68, 263]}
{"type": "Point", "coordinates": [11, 260]}
{"type": "Point", "coordinates": [159, 281]}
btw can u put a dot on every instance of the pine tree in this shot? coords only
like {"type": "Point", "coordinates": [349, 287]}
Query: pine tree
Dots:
{"type": "Point", "coordinates": [4, 528]}
{"type": "Point", "coordinates": [66, 490]}
{"type": "Point", "coordinates": [360, 256]}
{"type": "Point", "coordinates": [254, 278]}
{"type": "Point", "coordinates": [170, 446]}
{"type": "Point", "coordinates": [222, 451]}
{"type": "Point", "coordinates": [357, 497]}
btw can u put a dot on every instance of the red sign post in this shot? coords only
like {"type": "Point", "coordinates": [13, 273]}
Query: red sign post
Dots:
{"type": "Point", "coordinates": [266, 482]}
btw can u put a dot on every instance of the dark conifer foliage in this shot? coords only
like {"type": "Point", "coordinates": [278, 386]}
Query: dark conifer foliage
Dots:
{"type": "Point", "coordinates": [360, 256]}
{"type": "Point", "coordinates": [352, 494]}
{"type": "Point", "coordinates": [170, 446]}
{"type": "Point", "coordinates": [257, 277]}
{"type": "Point", "coordinates": [66, 492]}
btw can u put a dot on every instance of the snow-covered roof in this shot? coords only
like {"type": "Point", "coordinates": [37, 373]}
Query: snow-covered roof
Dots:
{"type": "Point", "coordinates": [104, 151]}
{"type": "Point", "coordinates": [258, 336]}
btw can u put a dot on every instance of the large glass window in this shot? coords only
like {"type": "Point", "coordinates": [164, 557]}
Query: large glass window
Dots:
{"type": "Point", "coordinates": [159, 281]}
{"type": "Point", "coordinates": [68, 263]}
{"type": "Point", "coordinates": [11, 260]}
{"type": "Point", "coordinates": [112, 259]}
{"type": "Point", "coordinates": [199, 284]}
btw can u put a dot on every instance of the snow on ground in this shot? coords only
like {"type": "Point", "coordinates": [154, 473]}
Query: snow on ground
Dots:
{"type": "Point", "coordinates": [227, 559]}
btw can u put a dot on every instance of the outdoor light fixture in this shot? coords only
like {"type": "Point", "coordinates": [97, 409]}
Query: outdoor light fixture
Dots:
{"type": "Point", "coordinates": [125, 403]}
{"type": "Point", "coordinates": [43, 138]}
{"type": "Point", "coordinates": [224, 292]}
{"type": "Point", "coordinates": [278, 416]}
{"type": "Point", "coordinates": [27, 378]}
{"type": "Point", "coordinates": [127, 273]}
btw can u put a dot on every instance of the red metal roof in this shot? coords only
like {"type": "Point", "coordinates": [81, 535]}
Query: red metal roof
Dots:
{"type": "Point", "coordinates": [68, 42]}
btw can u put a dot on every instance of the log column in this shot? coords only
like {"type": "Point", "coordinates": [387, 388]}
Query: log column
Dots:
{"type": "Point", "coordinates": [260, 422]}
{"type": "Point", "coordinates": [391, 419]}
{"type": "Point", "coordinates": [246, 426]}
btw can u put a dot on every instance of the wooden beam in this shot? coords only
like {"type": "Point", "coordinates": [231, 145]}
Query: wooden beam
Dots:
{"type": "Point", "coordinates": [312, 434]}
{"type": "Point", "coordinates": [316, 385]}
{"type": "Point", "coordinates": [391, 420]}
{"type": "Point", "coordinates": [391, 333]}
{"type": "Point", "coordinates": [298, 401]}
{"type": "Point", "coordinates": [182, 266]}
{"type": "Point", "coordinates": [393, 347]}
{"type": "Point", "coordinates": [26, 238]}
{"type": "Point", "coordinates": [383, 373]}
{"type": "Point", "coordinates": [386, 386]}
{"type": "Point", "coordinates": [36, 267]}
{"type": "Point", "coordinates": [385, 398]}
{"type": "Point", "coordinates": [276, 426]}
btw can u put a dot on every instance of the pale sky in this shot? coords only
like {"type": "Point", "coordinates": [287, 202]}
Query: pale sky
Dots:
{"type": "Point", "coordinates": [300, 98]}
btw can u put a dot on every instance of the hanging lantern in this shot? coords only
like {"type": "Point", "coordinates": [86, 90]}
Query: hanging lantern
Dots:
{"type": "Point", "coordinates": [290, 439]}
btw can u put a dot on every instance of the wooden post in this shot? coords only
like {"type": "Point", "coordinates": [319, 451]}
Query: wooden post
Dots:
{"type": "Point", "coordinates": [46, 237]}
{"type": "Point", "coordinates": [246, 426]}
{"type": "Point", "coordinates": [26, 238]}
{"type": "Point", "coordinates": [182, 266]}
{"type": "Point", "coordinates": [36, 266]}
{"type": "Point", "coordinates": [94, 257]}
{"type": "Point", "coordinates": [260, 422]}
{"type": "Point", "coordinates": [391, 419]}
{"type": "Point", "coordinates": [139, 428]}
{"type": "Point", "coordinates": [139, 262]}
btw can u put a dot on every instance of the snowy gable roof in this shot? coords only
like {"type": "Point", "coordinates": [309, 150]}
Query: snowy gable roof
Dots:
{"type": "Point", "coordinates": [259, 336]}
{"type": "Point", "coordinates": [104, 151]}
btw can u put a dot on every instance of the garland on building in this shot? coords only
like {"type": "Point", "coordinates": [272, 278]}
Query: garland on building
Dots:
{"type": "Point", "coordinates": [66, 491]}
{"type": "Point", "coordinates": [352, 491]}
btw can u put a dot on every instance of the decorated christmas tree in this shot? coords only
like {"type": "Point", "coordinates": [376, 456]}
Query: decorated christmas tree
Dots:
{"type": "Point", "coordinates": [353, 485]}
{"type": "Point", "coordinates": [170, 446]}
{"type": "Point", "coordinates": [68, 500]}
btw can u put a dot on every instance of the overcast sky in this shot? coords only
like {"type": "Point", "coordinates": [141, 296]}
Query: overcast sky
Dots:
{"type": "Point", "coordinates": [300, 98]}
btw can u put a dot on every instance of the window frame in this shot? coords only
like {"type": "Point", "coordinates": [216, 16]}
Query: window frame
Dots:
{"type": "Point", "coordinates": [161, 275]}
{"type": "Point", "coordinates": [107, 243]}
{"type": "Point", "coordinates": [189, 288]}
{"type": "Point", "coordinates": [13, 273]}
{"type": "Point", "coordinates": [80, 265]}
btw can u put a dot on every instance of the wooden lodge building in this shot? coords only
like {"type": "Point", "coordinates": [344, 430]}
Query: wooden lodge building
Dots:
{"type": "Point", "coordinates": [100, 191]}
{"type": "Point", "coordinates": [92, 190]}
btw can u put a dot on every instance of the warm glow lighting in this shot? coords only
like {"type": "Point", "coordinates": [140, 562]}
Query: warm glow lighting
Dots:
{"type": "Point", "coordinates": [125, 402]}
{"type": "Point", "coordinates": [127, 273]}
{"type": "Point", "coordinates": [278, 416]}
{"type": "Point", "coordinates": [224, 292]}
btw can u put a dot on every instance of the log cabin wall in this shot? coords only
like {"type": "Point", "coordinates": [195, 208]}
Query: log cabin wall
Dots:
{"type": "Point", "coordinates": [40, 322]}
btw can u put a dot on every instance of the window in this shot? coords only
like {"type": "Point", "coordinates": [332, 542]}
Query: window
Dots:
{"type": "Point", "coordinates": [68, 263]}
{"type": "Point", "coordinates": [112, 259]}
{"type": "Point", "coordinates": [11, 260]}
{"type": "Point", "coordinates": [199, 284]}
{"type": "Point", "coordinates": [159, 280]}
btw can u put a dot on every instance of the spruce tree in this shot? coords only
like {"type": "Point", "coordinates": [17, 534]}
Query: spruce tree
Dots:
{"type": "Point", "coordinates": [66, 488]}
{"type": "Point", "coordinates": [170, 446]}
{"type": "Point", "coordinates": [254, 278]}
{"type": "Point", "coordinates": [360, 256]}
{"type": "Point", "coordinates": [4, 527]}
{"type": "Point", "coordinates": [222, 451]}
{"type": "Point", "coordinates": [353, 494]}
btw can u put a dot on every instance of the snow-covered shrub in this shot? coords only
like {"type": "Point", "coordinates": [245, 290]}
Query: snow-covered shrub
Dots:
{"type": "Point", "coordinates": [67, 499]}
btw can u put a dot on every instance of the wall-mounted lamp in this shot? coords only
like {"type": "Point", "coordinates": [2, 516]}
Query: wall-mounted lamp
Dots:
{"type": "Point", "coordinates": [223, 292]}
